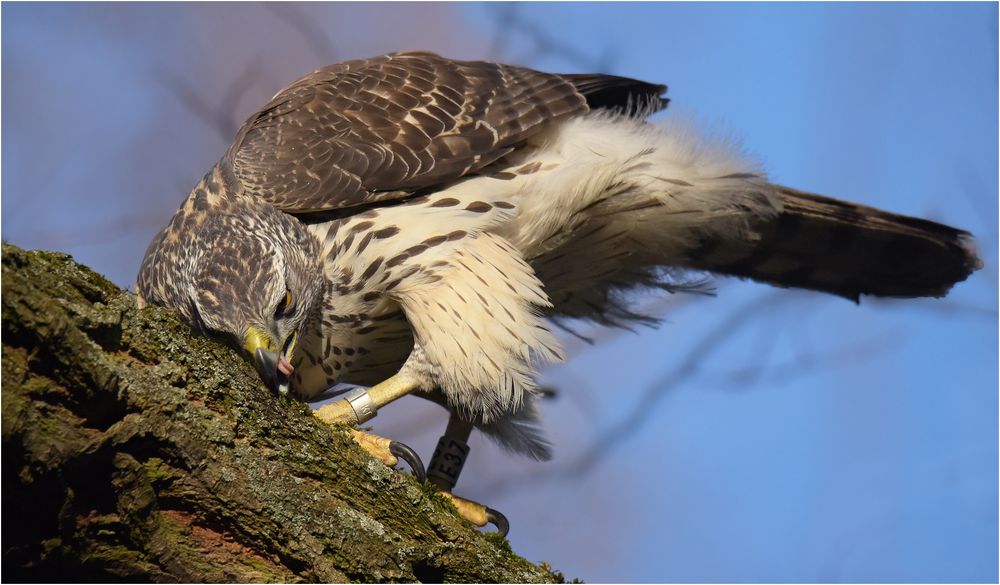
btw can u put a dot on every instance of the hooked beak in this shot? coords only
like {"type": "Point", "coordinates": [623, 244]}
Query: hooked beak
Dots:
{"type": "Point", "coordinates": [273, 365]}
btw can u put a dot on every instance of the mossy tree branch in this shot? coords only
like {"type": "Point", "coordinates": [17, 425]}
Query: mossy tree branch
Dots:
{"type": "Point", "coordinates": [133, 450]}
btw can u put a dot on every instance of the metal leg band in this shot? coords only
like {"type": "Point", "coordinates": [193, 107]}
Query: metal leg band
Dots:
{"type": "Point", "coordinates": [447, 462]}
{"type": "Point", "coordinates": [362, 404]}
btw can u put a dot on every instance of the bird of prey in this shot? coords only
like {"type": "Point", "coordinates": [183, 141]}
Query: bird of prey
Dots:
{"type": "Point", "coordinates": [413, 223]}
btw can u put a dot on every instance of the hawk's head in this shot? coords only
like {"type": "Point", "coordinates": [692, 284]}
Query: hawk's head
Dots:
{"type": "Point", "coordinates": [253, 281]}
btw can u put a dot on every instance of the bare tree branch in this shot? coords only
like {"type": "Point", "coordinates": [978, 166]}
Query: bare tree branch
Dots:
{"type": "Point", "coordinates": [505, 15]}
{"type": "Point", "coordinates": [236, 89]}
{"type": "Point", "coordinates": [148, 219]}
{"type": "Point", "coordinates": [511, 22]}
{"type": "Point", "coordinates": [860, 351]}
{"type": "Point", "coordinates": [222, 117]}
{"type": "Point", "coordinates": [195, 104]}
{"type": "Point", "coordinates": [644, 411]}
{"type": "Point", "coordinates": [307, 27]}
{"type": "Point", "coordinates": [645, 408]}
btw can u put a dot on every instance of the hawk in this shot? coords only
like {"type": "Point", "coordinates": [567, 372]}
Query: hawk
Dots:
{"type": "Point", "coordinates": [413, 223]}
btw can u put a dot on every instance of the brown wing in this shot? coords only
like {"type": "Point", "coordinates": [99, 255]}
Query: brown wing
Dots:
{"type": "Point", "coordinates": [371, 130]}
{"type": "Point", "coordinates": [622, 94]}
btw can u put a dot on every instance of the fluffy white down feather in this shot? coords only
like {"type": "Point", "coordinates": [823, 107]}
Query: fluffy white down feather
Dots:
{"type": "Point", "coordinates": [595, 205]}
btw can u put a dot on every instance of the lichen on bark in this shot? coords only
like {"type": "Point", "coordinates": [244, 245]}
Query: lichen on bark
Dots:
{"type": "Point", "coordinates": [133, 450]}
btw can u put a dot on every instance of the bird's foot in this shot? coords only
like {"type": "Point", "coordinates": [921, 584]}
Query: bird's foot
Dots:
{"type": "Point", "coordinates": [358, 406]}
{"type": "Point", "coordinates": [390, 452]}
{"type": "Point", "coordinates": [446, 465]}
{"type": "Point", "coordinates": [478, 514]}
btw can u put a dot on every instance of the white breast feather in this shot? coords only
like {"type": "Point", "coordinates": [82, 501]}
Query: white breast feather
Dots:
{"type": "Point", "coordinates": [596, 197]}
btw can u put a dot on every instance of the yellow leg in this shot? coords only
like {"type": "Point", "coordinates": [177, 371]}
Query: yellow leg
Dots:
{"type": "Point", "coordinates": [363, 406]}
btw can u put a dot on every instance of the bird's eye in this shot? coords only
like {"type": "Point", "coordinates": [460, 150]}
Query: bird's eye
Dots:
{"type": "Point", "coordinates": [285, 305]}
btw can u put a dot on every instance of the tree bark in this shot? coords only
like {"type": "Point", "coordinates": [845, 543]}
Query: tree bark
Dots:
{"type": "Point", "coordinates": [135, 451]}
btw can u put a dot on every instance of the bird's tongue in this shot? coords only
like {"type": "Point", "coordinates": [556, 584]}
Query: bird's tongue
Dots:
{"type": "Point", "coordinates": [284, 366]}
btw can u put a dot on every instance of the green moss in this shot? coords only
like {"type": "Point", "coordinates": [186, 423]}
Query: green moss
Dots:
{"type": "Point", "coordinates": [557, 576]}
{"type": "Point", "coordinates": [165, 458]}
{"type": "Point", "coordinates": [500, 541]}
{"type": "Point", "coordinates": [158, 472]}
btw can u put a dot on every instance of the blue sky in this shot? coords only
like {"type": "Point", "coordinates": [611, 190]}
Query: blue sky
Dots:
{"type": "Point", "coordinates": [808, 439]}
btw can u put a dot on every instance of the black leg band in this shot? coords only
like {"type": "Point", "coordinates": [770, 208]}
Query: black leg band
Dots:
{"type": "Point", "coordinates": [447, 462]}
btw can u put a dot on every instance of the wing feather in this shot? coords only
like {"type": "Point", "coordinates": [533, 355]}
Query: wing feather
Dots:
{"type": "Point", "coordinates": [372, 130]}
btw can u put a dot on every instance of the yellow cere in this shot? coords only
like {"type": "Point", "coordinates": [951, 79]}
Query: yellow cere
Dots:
{"type": "Point", "coordinates": [255, 338]}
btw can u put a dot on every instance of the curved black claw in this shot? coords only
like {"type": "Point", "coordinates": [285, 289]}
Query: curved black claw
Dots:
{"type": "Point", "coordinates": [499, 520]}
{"type": "Point", "coordinates": [404, 452]}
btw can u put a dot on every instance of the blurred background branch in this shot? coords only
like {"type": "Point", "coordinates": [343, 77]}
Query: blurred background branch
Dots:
{"type": "Point", "coordinates": [306, 27]}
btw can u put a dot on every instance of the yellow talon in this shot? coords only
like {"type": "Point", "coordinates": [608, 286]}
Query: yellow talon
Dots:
{"type": "Point", "coordinates": [478, 514]}
{"type": "Point", "coordinates": [376, 446]}
{"type": "Point", "coordinates": [389, 452]}
{"type": "Point", "coordinates": [473, 512]}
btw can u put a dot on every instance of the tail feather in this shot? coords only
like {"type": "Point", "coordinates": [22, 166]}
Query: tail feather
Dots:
{"type": "Point", "coordinates": [824, 244]}
{"type": "Point", "coordinates": [521, 432]}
